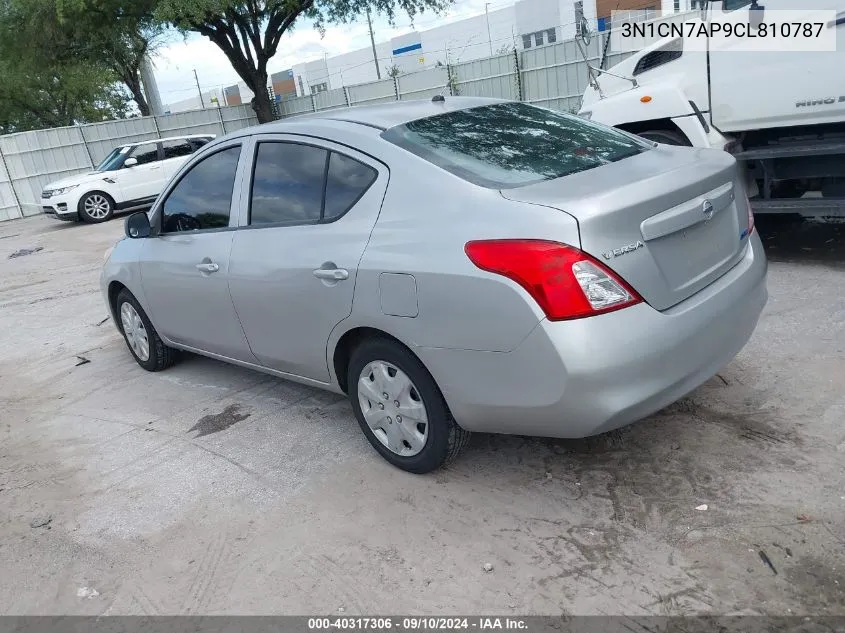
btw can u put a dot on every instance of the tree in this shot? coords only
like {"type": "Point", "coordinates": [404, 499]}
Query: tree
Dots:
{"type": "Point", "coordinates": [392, 71]}
{"type": "Point", "coordinates": [43, 85]}
{"type": "Point", "coordinates": [36, 97]}
{"type": "Point", "coordinates": [119, 33]}
{"type": "Point", "coordinates": [249, 31]}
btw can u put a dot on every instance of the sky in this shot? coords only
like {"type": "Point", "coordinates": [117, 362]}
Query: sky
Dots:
{"type": "Point", "coordinates": [176, 62]}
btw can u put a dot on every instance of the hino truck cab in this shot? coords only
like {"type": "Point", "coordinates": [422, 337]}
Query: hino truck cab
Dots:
{"type": "Point", "coordinates": [780, 112]}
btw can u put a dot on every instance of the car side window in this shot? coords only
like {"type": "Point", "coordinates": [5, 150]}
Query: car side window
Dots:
{"type": "Point", "coordinates": [146, 153]}
{"type": "Point", "coordinates": [347, 180]}
{"type": "Point", "coordinates": [287, 184]}
{"type": "Point", "coordinates": [177, 148]}
{"type": "Point", "coordinates": [203, 196]}
{"type": "Point", "coordinates": [303, 184]}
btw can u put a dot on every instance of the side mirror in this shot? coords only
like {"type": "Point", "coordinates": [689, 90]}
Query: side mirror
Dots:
{"type": "Point", "coordinates": [130, 162]}
{"type": "Point", "coordinates": [584, 28]}
{"type": "Point", "coordinates": [137, 225]}
{"type": "Point", "coordinates": [756, 15]}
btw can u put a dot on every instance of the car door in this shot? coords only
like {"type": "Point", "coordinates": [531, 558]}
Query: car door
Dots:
{"type": "Point", "coordinates": [175, 153]}
{"type": "Point", "coordinates": [143, 181]}
{"type": "Point", "coordinates": [311, 208]}
{"type": "Point", "coordinates": [185, 265]}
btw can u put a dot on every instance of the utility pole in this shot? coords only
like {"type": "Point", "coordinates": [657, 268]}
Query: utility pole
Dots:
{"type": "Point", "coordinates": [202, 101]}
{"type": "Point", "coordinates": [373, 42]}
{"type": "Point", "coordinates": [150, 86]}
{"type": "Point", "coordinates": [489, 37]}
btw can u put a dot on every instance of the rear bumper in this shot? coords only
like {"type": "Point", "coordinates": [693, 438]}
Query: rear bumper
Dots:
{"type": "Point", "coordinates": [588, 376]}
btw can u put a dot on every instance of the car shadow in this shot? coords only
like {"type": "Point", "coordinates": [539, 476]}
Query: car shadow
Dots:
{"type": "Point", "coordinates": [793, 240]}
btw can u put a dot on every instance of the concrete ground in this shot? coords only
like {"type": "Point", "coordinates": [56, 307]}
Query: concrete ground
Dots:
{"type": "Point", "coordinates": [210, 489]}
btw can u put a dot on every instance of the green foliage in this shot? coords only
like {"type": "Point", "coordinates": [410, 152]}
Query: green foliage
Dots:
{"type": "Point", "coordinates": [34, 97]}
{"type": "Point", "coordinates": [46, 82]}
{"type": "Point", "coordinates": [280, 14]}
{"type": "Point", "coordinates": [248, 32]}
{"type": "Point", "coordinates": [119, 33]}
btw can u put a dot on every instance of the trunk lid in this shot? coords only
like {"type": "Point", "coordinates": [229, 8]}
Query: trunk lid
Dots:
{"type": "Point", "coordinates": [669, 221]}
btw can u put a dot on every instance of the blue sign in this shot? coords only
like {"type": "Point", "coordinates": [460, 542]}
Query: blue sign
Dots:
{"type": "Point", "coordinates": [407, 49]}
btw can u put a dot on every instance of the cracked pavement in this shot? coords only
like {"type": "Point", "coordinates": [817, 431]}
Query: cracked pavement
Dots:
{"type": "Point", "coordinates": [211, 489]}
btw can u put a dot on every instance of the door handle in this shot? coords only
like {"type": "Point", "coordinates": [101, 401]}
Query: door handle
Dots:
{"type": "Point", "coordinates": [208, 267]}
{"type": "Point", "coordinates": [155, 167]}
{"type": "Point", "coordinates": [331, 274]}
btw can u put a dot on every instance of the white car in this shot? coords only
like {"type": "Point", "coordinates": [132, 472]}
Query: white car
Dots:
{"type": "Point", "coordinates": [130, 177]}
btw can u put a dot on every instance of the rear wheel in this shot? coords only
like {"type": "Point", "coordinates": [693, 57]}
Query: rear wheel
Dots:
{"type": "Point", "coordinates": [666, 137]}
{"type": "Point", "coordinates": [143, 341]}
{"type": "Point", "coordinates": [96, 207]}
{"type": "Point", "coordinates": [400, 408]}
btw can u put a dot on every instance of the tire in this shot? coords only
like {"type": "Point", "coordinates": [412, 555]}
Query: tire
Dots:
{"type": "Point", "coordinates": [95, 207]}
{"type": "Point", "coordinates": [666, 137]}
{"type": "Point", "coordinates": [158, 356]}
{"type": "Point", "coordinates": [443, 439]}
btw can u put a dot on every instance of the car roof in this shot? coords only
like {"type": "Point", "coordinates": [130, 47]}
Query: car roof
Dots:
{"type": "Point", "coordinates": [386, 115]}
{"type": "Point", "coordinates": [167, 138]}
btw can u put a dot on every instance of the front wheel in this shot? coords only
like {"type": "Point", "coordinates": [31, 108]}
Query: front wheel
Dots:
{"type": "Point", "coordinates": [143, 341]}
{"type": "Point", "coordinates": [96, 207]}
{"type": "Point", "coordinates": [400, 408]}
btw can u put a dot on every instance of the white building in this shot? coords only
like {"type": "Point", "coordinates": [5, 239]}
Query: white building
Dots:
{"type": "Point", "coordinates": [525, 24]}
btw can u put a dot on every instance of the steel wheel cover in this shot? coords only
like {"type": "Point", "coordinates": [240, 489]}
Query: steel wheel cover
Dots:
{"type": "Point", "coordinates": [136, 333]}
{"type": "Point", "coordinates": [393, 408]}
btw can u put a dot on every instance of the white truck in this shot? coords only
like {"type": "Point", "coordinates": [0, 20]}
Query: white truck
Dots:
{"type": "Point", "coordinates": [781, 113]}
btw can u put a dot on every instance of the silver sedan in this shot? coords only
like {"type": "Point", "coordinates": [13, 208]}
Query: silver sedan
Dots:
{"type": "Point", "coordinates": [452, 265]}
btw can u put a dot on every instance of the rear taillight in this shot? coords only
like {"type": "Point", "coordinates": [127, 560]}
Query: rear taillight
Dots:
{"type": "Point", "coordinates": [565, 282]}
{"type": "Point", "coordinates": [750, 228]}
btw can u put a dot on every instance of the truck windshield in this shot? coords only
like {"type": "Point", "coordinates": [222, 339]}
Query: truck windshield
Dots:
{"type": "Point", "coordinates": [509, 145]}
{"type": "Point", "coordinates": [114, 160]}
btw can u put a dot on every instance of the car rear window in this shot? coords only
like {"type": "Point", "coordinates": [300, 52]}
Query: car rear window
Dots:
{"type": "Point", "coordinates": [508, 145]}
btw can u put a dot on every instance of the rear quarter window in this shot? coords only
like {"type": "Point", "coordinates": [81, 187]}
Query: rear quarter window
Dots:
{"type": "Point", "coordinates": [509, 145]}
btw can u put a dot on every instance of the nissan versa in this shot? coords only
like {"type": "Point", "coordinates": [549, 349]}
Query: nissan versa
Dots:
{"type": "Point", "coordinates": [452, 265]}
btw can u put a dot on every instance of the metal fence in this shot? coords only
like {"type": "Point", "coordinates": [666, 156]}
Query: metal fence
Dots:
{"type": "Point", "coordinates": [496, 76]}
{"type": "Point", "coordinates": [552, 76]}
{"type": "Point", "coordinates": [29, 160]}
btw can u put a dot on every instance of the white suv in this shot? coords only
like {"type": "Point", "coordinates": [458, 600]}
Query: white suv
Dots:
{"type": "Point", "coordinates": [130, 177]}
